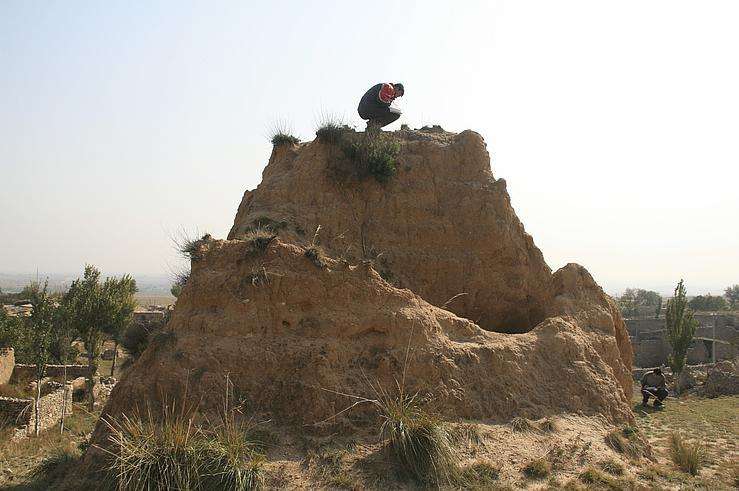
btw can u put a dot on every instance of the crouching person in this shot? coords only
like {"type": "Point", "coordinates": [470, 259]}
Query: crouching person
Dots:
{"type": "Point", "coordinates": [653, 384]}
{"type": "Point", "coordinates": [375, 105]}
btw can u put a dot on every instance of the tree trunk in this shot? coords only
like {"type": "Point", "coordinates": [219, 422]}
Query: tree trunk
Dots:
{"type": "Point", "coordinates": [90, 382]}
{"type": "Point", "coordinates": [64, 401]}
{"type": "Point", "coordinates": [115, 358]}
{"type": "Point", "coordinates": [36, 406]}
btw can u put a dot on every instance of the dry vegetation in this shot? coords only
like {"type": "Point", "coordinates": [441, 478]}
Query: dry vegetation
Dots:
{"type": "Point", "coordinates": [415, 450]}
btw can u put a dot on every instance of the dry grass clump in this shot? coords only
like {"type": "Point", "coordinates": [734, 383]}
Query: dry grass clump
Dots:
{"type": "Point", "coordinates": [627, 441]}
{"type": "Point", "coordinates": [481, 474]}
{"type": "Point", "coordinates": [281, 133]}
{"type": "Point", "coordinates": [548, 425]}
{"type": "Point", "coordinates": [537, 469]}
{"type": "Point", "coordinates": [175, 453]}
{"type": "Point", "coordinates": [331, 129]}
{"type": "Point", "coordinates": [612, 467]}
{"type": "Point", "coordinates": [418, 441]}
{"type": "Point", "coordinates": [468, 433]}
{"type": "Point", "coordinates": [190, 248]}
{"type": "Point", "coordinates": [520, 424]}
{"type": "Point", "coordinates": [595, 479]}
{"type": "Point", "coordinates": [259, 238]}
{"type": "Point", "coordinates": [689, 457]}
{"type": "Point", "coordinates": [281, 138]}
{"type": "Point", "coordinates": [267, 223]}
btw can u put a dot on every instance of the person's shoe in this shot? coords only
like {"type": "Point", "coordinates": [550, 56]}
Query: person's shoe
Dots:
{"type": "Point", "coordinates": [658, 404]}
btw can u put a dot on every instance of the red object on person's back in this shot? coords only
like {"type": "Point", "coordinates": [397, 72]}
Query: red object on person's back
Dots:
{"type": "Point", "coordinates": [387, 93]}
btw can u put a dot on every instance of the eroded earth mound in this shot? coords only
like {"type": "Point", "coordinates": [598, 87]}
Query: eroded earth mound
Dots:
{"type": "Point", "coordinates": [291, 331]}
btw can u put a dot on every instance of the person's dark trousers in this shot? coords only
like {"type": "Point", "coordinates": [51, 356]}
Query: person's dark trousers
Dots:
{"type": "Point", "coordinates": [378, 116]}
{"type": "Point", "coordinates": [660, 394]}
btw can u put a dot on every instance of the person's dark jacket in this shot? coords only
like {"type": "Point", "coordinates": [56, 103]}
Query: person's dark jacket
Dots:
{"type": "Point", "coordinates": [372, 100]}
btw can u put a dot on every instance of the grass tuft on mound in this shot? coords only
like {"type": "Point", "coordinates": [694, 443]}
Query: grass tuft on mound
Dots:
{"type": "Point", "coordinates": [190, 248]}
{"type": "Point", "coordinates": [537, 469]}
{"type": "Point", "coordinates": [281, 138]}
{"type": "Point", "coordinates": [259, 238]}
{"type": "Point", "coordinates": [520, 424]}
{"type": "Point", "coordinates": [331, 128]}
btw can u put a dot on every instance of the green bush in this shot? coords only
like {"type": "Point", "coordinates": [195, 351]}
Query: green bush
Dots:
{"type": "Point", "coordinates": [373, 155]}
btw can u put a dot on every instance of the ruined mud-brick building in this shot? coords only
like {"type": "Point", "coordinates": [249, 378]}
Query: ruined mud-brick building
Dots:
{"type": "Point", "coordinates": [651, 348]}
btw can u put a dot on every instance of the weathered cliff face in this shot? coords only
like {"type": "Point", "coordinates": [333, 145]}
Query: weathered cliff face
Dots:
{"type": "Point", "coordinates": [291, 333]}
{"type": "Point", "coordinates": [443, 226]}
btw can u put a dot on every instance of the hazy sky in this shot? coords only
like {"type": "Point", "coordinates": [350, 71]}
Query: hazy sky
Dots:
{"type": "Point", "coordinates": [616, 124]}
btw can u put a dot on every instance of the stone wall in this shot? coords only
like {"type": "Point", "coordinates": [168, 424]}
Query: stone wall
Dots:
{"type": "Point", "coordinates": [7, 362]}
{"type": "Point", "coordinates": [20, 413]}
{"type": "Point", "coordinates": [24, 372]}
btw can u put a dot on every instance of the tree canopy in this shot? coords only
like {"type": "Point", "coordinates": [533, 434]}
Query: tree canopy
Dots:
{"type": "Point", "coordinates": [708, 303]}
{"type": "Point", "coordinates": [732, 295]}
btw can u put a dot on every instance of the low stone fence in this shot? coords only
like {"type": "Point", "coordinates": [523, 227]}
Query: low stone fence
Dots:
{"type": "Point", "coordinates": [20, 413]}
{"type": "Point", "coordinates": [28, 372]}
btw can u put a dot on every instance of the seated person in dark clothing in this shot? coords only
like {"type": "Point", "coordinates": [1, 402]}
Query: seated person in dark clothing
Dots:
{"type": "Point", "coordinates": [375, 105]}
{"type": "Point", "coordinates": [653, 385]}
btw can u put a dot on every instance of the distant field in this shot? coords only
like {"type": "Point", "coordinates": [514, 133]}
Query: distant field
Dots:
{"type": "Point", "coordinates": [144, 300]}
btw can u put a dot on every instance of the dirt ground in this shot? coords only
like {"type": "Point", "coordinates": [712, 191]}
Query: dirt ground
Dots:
{"type": "Point", "coordinates": [572, 446]}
